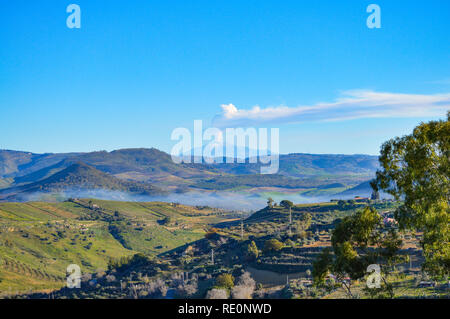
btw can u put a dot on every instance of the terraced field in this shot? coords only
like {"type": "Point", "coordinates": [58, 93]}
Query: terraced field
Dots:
{"type": "Point", "coordinates": [39, 240]}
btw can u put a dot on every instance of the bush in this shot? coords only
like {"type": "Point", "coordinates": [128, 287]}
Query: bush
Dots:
{"type": "Point", "coordinates": [166, 221]}
{"type": "Point", "coordinates": [287, 293]}
{"type": "Point", "coordinates": [245, 287]}
{"type": "Point", "coordinates": [252, 252]}
{"type": "Point", "coordinates": [289, 243]}
{"type": "Point", "coordinates": [225, 281]}
{"type": "Point", "coordinates": [127, 261]}
{"type": "Point", "coordinates": [211, 233]}
{"type": "Point", "coordinates": [272, 245]}
{"type": "Point", "coordinates": [157, 288]}
{"type": "Point", "coordinates": [187, 289]}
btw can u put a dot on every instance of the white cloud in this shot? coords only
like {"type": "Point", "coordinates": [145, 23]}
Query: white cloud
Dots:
{"type": "Point", "coordinates": [354, 104]}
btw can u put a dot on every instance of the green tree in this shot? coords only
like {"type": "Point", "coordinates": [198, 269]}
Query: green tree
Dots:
{"type": "Point", "coordinates": [415, 169]}
{"type": "Point", "coordinates": [288, 205]}
{"type": "Point", "coordinates": [375, 193]}
{"type": "Point", "coordinates": [252, 252]}
{"type": "Point", "coordinates": [341, 203]}
{"type": "Point", "coordinates": [357, 242]}
{"type": "Point", "coordinates": [272, 245]}
{"type": "Point", "coordinates": [322, 266]}
{"type": "Point", "coordinates": [166, 221]}
{"type": "Point", "coordinates": [225, 281]}
{"type": "Point", "coordinates": [302, 225]}
{"type": "Point", "coordinates": [306, 220]}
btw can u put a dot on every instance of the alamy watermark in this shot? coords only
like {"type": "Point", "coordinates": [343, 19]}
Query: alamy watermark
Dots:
{"type": "Point", "coordinates": [74, 19]}
{"type": "Point", "coordinates": [374, 20]}
{"type": "Point", "coordinates": [374, 279]}
{"type": "Point", "coordinates": [74, 278]}
{"type": "Point", "coordinates": [230, 145]}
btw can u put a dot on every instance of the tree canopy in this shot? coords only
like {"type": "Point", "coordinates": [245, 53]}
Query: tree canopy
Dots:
{"type": "Point", "coordinates": [415, 169]}
{"type": "Point", "coordinates": [252, 252]}
{"type": "Point", "coordinates": [225, 281]}
{"type": "Point", "coordinates": [358, 241]}
{"type": "Point", "coordinates": [286, 204]}
{"type": "Point", "coordinates": [272, 245]}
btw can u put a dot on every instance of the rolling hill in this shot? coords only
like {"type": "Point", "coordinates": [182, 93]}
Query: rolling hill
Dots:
{"type": "Point", "coordinates": [27, 172]}
{"type": "Point", "coordinates": [144, 165]}
{"type": "Point", "coordinates": [39, 240]}
{"type": "Point", "coordinates": [17, 163]}
{"type": "Point", "coordinates": [322, 166]}
{"type": "Point", "coordinates": [78, 177]}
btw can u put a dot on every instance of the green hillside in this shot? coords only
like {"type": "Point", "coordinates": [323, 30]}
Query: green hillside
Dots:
{"type": "Point", "coordinates": [80, 176]}
{"type": "Point", "coordinates": [137, 164]}
{"type": "Point", "coordinates": [156, 167]}
{"type": "Point", "coordinates": [327, 168]}
{"type": "Point", "coordinates": [160, 250]}
{"type": "Point", "coordinates": [17, 163]}
{"type": "Point", "coordinates": [39, 240]}
{"type": "Point", "coordinates": [256, 180]}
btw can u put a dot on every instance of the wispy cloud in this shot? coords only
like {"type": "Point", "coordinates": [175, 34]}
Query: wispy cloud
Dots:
{"type": "Point", "coordinates": [354, 104]}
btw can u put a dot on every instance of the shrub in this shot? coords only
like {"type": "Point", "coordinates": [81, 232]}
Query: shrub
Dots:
{"type": "Point", "coordinates": [126, 262]}
{"type": "Point", "coordinates": [157, 288]}
{"type": "Point", "coordinates": [252, 252]}
{"type": "Point", "coordinates": [225, 281]}
{"type": "Point", "coordinates": [245, 287]}
{"type": "Point", "coordinates": [187, 289]}
{"type": "Point", "coordinates": [272, 245]}
{"type": "Point", "coordinates": [211, 233]}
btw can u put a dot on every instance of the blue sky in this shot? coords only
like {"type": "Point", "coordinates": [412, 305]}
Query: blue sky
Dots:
{"type": "Point", "coordinates": [138, 69]}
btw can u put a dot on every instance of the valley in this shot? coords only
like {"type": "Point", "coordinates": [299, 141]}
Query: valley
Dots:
{"type": "Point", "coordinates": [140, 226]}
{"type": "Point", "coordinates": [170, 250]}
{"type": "Point", "coordinates": [39, 240]}
{"type": "Point", "coordinates": [151, 175]}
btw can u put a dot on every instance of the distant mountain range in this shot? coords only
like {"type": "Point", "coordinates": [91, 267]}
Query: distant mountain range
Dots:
{"type": "Point", "coordinates": [151, 172]}
{"type": "Point", "coordinates": [78, 177]}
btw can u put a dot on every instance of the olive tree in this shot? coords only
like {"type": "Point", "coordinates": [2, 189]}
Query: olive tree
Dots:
{"type": "Point", "coordinates": [359, 241]}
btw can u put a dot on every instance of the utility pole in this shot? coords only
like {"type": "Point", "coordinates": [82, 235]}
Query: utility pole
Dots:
{"type": "Point", "coordinates": [290, 221]}
{"type": "Point", "coordinates": [242, 229]}
{"type": "Point", "coordinates": [212, 256]}
{"type": "Point", "coordinates": [290, 215]}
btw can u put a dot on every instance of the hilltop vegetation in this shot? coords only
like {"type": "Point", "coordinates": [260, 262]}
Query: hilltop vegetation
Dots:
{"type": "Point", "coordinates": [245, 181]}
{"type": "Point", "coordinates": [314, 166]}
{"type": "Point", "coordinates": [149, 171]}
{"type": "Point", "coordinates": [160, 250]}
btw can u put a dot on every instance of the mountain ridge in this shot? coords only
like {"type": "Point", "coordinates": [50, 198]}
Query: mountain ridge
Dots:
{"type": "Point", "coordinates": [80, 176]}
{"type": "Point", "coordinates": [23, 171]}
